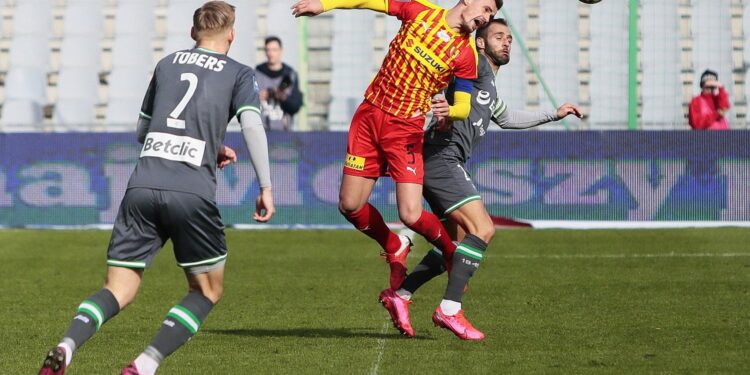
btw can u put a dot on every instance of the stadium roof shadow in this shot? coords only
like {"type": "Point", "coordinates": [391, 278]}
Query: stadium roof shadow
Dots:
{"type": "Point", "coordinates": [312, 333]}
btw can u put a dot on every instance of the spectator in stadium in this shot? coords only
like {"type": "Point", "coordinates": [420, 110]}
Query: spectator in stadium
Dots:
{"type": "Point", "coordinates": [386, 136]}
{"type": "Point", "coordinates": [707, 110]}
{"type": "Point", "coordinates": [448, 187]}
{"type": "Point", "coordinates": [171, 193]}
{"type": "Point", "coordinates": [280, 97]}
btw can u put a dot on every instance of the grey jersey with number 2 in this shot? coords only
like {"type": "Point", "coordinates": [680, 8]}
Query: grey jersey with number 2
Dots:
{"type": "Point", "coordinates": [485, 108]}
{"type": "Point", "coordinates": [192, 96]}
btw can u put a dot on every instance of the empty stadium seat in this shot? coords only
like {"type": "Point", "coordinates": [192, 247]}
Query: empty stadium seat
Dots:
{"type": "Point", "coordinates": [74, 115]}
{"type": "Point", "coordinates": [21, 115]}
{"type": "Point", "coordinates": [122, 114]}
{"type": "Point", "coordinates": [78, 83]}
{"type": "Point", "coordinates": [26, 83]}
{"type": "Point", "coordinates": [135, 17]}
{"type": "Point", "coordinates": [30, 51]}
{"type": "Point", "coordinates": [128, 83]}
{"type": "Point", "coordinates": [81, 51]}
{"type": "Point", "coordinates": [83, 18]}
{"type": "Point", "coordinates": [32, 17]}
{"type": "Point", "coordinates": [132, 51]}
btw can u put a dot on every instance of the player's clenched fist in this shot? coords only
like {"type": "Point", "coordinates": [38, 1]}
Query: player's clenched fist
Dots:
{"type": "Point", "coordinates": [307, 8]}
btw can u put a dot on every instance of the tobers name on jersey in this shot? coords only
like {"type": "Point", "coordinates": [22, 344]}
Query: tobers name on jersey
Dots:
{"type": "Point", "coordinates": [204, 61]}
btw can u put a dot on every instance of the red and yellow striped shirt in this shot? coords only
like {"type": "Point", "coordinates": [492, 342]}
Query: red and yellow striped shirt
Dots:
{"type": "Point", "coordinates": [421, 59]}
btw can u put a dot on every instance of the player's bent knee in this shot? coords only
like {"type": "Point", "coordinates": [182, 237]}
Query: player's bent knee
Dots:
{"type": "Point", "coordinates": [410, 217]}
{"type": "Point", "coordinates": [349, 206]}
{"type": "Point", "coordinates": [485, 231]}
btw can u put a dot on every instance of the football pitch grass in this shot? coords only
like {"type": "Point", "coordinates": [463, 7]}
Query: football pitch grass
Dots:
{"type": "Point", "coordinates": [305, 302]}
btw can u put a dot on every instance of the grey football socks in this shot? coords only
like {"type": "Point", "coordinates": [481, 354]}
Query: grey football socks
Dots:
{"type": "Point", "coordinates": [466, 260]}
{"type": "Point", "coordinates": [92, 313]}
{"type": "Point", "coordinates": [430, 267]}
{"type": "Point", "coordinates": [181, 323]}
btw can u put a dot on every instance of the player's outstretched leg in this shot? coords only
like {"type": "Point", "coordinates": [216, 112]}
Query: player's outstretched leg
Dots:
{"type": "Point", "coordinates": [181, 323]}
{"type": "Point", "coordinates": [449, 314]}
{"type": "Point", "coordinates": [92, 313]}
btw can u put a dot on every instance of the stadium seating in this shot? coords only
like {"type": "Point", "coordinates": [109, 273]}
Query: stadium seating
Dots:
{"type": "Point", "coordinates": [135, 17]}
{"type": "Point", "coordinates": [558, 57]}
{"type": "Point", "coordinates": [661, 86]}
{"type": "Point", "coordinates": [83, 18]}
{"type": "Point", "coordinates": [32, 18]}
{"type": "Point", "coordinates": [608, 87]}
{"type": "Point", "coordinates": [512, 85]}
{"type": "Point", "coordinates": [245, 40]}
{"type": "Point", "coordinates": [179, 22]}
{"type": "Point", "coordinates": [77, 94]}
{"type": "Point", "coordinates": [21, 115]}
{"type": "Point", "coordinates": [30, 51]}
{"type": "Point", "coordinates": [581, 51]}
{"type": "Point", "coordinates": [27, 83]}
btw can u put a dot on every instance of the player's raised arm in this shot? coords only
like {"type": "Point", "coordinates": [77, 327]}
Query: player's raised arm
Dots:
{"type": "Point", "coordinates": [511, 119]}
{"type": "Point", "coordinates": [311, 8]}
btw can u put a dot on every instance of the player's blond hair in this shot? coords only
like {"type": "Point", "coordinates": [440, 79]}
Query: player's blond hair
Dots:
{"type": "Point", "coordinates": [212, 18]}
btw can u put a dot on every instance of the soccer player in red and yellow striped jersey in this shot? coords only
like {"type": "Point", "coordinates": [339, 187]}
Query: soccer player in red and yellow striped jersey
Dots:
{"type": "Point", "coordinates": [386, 134]}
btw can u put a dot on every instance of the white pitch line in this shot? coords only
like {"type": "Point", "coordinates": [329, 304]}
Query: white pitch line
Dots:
{"type": "Point", "coordinates": [620, 256]}
{"type": "Point", "coordinates": [381, 348]}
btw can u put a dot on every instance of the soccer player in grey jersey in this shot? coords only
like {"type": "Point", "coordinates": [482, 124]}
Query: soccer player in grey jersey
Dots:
{"type": "Point", "coordinates": [172, 192]}
{"type": "Point", "coordinates": [449, 190]}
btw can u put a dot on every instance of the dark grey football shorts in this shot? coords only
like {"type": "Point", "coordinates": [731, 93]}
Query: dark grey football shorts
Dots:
{"type": "Point", "coordinates": [148, 217]}
{"type": "Point", "coordinates": [447, 184]}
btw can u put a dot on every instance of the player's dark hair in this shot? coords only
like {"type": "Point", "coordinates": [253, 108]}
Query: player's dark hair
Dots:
{"type": "Point", "coordinates": [272, 39]}
{"type": "Point", "coordinates": [499, 4]}
{"type": "Point", "coordinates": [212, 17]}
{"type": "Point", "coordinates": [482, 32]}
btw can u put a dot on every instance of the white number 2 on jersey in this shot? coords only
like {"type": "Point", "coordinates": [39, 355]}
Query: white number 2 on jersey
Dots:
{"type": "Point", "coordinates": [174, 122]}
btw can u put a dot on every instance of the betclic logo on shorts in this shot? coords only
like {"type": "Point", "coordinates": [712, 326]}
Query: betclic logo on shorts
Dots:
{"type": "Point", "coordinates": [174, 147]}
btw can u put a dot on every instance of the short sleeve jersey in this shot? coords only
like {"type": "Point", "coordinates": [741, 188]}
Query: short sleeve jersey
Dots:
{"type": "Point", "coordinates": [485, 108]}
{"type": "Point", "coordinates": [421, 59]}
{"type": "Point", "coordinates": [192, 96]}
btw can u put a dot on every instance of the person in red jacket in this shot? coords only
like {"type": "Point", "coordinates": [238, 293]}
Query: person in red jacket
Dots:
{"type": "Point", "coordinates": [707, 109]}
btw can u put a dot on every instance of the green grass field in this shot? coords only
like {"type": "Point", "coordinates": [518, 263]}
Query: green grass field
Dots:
{"type": "Point", "coordinates": [305, 302]}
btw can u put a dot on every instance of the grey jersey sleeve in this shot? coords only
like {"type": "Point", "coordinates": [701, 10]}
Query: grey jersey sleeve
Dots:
{"type": "Point", "coordinates": [142, 128]}
{"type": "Point", "coordinates": [511, 119]}
{"type": "Point", "coordinates": [257, 144]}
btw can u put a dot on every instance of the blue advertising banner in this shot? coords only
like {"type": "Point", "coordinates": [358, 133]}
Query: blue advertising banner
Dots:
{"type": "Point", "coordinates": [79, 178]}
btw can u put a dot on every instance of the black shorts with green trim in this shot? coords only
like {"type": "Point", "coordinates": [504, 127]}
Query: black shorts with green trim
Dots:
{"type": "Point", "coordinates": [149, 217]}
{"type": "Point", "coordinates": [447, 184]}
